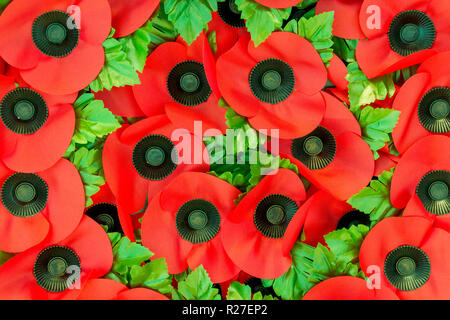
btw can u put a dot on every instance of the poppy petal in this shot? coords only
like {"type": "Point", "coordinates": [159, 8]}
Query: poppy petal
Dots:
{"type": "Point", "coordinates": [278, 3]}
{"type": "Point", "coordinates": [120, 101]}
{"type": "Point", "coordinates": [140, 294]}
{"type": "Point", "coordinates": [101, 289]}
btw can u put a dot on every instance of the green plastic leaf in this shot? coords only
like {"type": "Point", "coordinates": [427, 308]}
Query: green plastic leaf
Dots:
{"type": "Point", "coordinates": [198, 286]}
{"type": "Point", "coordinates": [238, 291]}
{"type": "Point", "coordinates": [190, 17]}
{"type": "Point", "coordinates": [375, 199]}
{"type": "Point", "coordinates": [345, 49]}
{"type": "Point", "coordinates": [153, 275]}
{"type": "Point", "coordinates": [4, 4]}
{"type": "Point", "coordinates": [259, 296]}
{"type": "Point", "coordinates": [261, 21]}
{"type": "Point", "coordinates": [5, 256]}
{"type": "Point", "coordinates": [233, 119]}
{"type": "Point", "coordinates": [345, 243]}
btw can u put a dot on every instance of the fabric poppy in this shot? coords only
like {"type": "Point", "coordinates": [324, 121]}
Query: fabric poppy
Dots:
{"type": "Point", "coordinates": [413, 257]}
{"type": "Point", "coordinates": [174, 82]}
{"type": "Point", "coordinates": [422, 177]}
{"type": "Point", "coordinates": [184, 225]}
{"type": "Point", "coordinates": [29, 121]}
{"type": "Point", "coordinates": [424, 103]}
{"type": "Point", "coordinates": [401, 34]}
{"type": "Point", "coordinates": [278, 3]}
{"type": "Point", "coordinates": [120, 101]}
{"type": "Point", "coordinates": [325, 214]}
{"type": "Point", "coordinates": [337, 71]}
{"type": "Point", "coordinates": [47, 205]}
{"type": "Point", "coordinates": [385, 162]}
{"type": "Point", "coordinates": [106, 289]}
{"type": "Point", "coordinates": [261, 231]}
{"type": "Point", "coordinates": [128, 16]}
{"type": "Point", "coordinates": [48, 40]}
{"type": "Point", "coordinates": [347, 288]}
{"type": "Point", "coordinates": [45, 272]}
{"type": "Point", "coordinates": [138, 163]}
{"type": "Point", "coordinates": [333, 157]}
{"type": "Point", "coordinates": [274, 86]}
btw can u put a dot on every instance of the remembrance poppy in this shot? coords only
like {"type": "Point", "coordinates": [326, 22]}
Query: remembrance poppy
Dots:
{"type": "Point", "coordinates": [184, 224]}
{"type": "Point", "coordinates": [46, 40]}
{"type": "Point", "coordinates": [401, 34]}
{"type": "Point", "coordinates": [261, 231]}
{"type": "Point", "coordinates": [45, 272]}
{"type": "Point", "coordinates": [120, 101]}
{"type": "Point", "coordinates": [385, 162]}
{"type": "Point", "coordinates": [274, 86]}
{"type": "Point", "coordinates": [347, 288]}
{"type": "Point", "coordinates": [424, 103]}
{"type": "Point", "coordinates": [174, 81]}
{"type": "Point", "coordinates": [413, 257]}
{"type": "Point", "coordinates": [278, 3]}
{"type": "Point", "coordinates": [138, 162]}
{"type": "Point", "coordinates": [333, 156]}
{"type": "Point", "coordinates": [29, 121]}
{"type": "Point", "coordinates": [36, 206]}
{"type": "Point", "coordinates": [422, 177]}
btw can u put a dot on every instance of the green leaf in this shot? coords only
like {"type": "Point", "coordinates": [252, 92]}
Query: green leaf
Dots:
{"type": "Point", "coordinates": [261, 21]}
{"type": "Point", "coordinates": [306, 3]}
{"type": "Point", "coordinates": [198, 286]}
{"type": "Point", "coordinates": [345, 49]}
{"type": "Point", "coordinates": [345, 243]}
{"type": "Point", "coordinates": [238, 291]}
{"type": "Point", "coordinates": [259, 296]}
{"type": "Point", "coordinates": [153, 275]}
{"type": "Point", "coordinates": [233, 119]}
{"type": "Point", "coordinates": [190, 17]}
{"type": "Point", "coordinates": [4, 4]}
{"type": "Point", "coordinates": [375, 199]}
{"type": "Point", "coordinates": [5, 256]}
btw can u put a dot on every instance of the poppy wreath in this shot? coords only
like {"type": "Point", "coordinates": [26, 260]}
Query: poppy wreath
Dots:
{"type": "Point", "coordinates": [224, 150]}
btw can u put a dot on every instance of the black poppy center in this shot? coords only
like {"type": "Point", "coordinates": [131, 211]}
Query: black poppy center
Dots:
{"type": "Point", "coordinates": [229, 13]}
{"type": "Point", "coordinates": [25, 192]}
{"type": "Point", "coordinates": [434, 110]}
{"type": "Point", "coordinates": [275, 214]}
{"type": "Point", "coordinates": [439, 109]}
{"type": "Point", "coordinates": [105, 214]}
{"type": "Point", "coordinates": [189, 82]}
{"type": "Point", "coordinates": [407, 268]}
{"type": "Point", "coordinates": [52, 36]}
{"type": "Point", "coordinates": [198, 221]}
{"type": "Point", "coordinates": [272, 80]}
{"type": "Point", "coordinates": [24, 110]}
{"type": "Point", "coordinates": [57, 266]}
{"type": "Point", "coordinates": [353, 218]}
{"type": "Point", "coordinates": [432, 191]}
{"type": "Point", "coordinates": [316, 150]}
{"type": "Point", "coordinates": [155, 156]}
{"type": "Point", "coordinates": [411, 31]}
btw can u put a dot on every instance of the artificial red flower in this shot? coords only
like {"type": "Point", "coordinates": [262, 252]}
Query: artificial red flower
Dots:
{"type": "Point", "coordinates": [130, 15]}
{"type": "Point", "coordinates": [325, 214]}
{"type": "Point", "coordinates": [30, 122]}
{"type": "Point", "coordinates": [346, 17]}
{"type": "Point", "coordinates": [46, 205]}
{"type": "Point", "coordinates": [184, 225]}
{"type": "Point", "coordinates": [2, 66]}
{"type": "Point", "coordinates": [336, 74]}
{"type": "Point", "coordinates": [412, 256]}
{"type": "Point", "coordinates": [48, 41]}
{"type": "Point", "coordinates": [45, 272]}
{"type": "Point", "coordinates": [261, 231]}
{"type": "Point", "coordinates": [120, 101]}
{"type": "Point", "coordinates": [385, 162]}
{"type": "Point", "coordinates": [106, 289]}
{"type": "Point", "coordinates": [273, 85]}
{"type": "Point", "coordinates": [278, 3]}
{"type": "Point", "coordinates": [347, 288]}
{"type": "Point", "coordinates": [422, 178]}
{"type": "Point", "coordinates": [137, 161]}
{"type": "Point", "coordinates": [174, 81]}
{"type": "Point", "coordinates": [333, 157]}
{"type": "Point", "coordinates": [401, 34]}
{"type": "Point", "coordinates": [424, 103]}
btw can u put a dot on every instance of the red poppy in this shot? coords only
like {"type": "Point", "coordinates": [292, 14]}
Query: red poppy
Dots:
{"type": "Point", "coordinates": [333, 157]}
{"type": "Point", "coordinates": [346, 17]}
{"type": "Point", "coordinates": [336, 74]}
{"type": "Point", "coordinates": [46, 271]}
{"type": "Point", "coordinates": [424, 103]}
{"type": "Point", "coordinates": [412, 255]}
{"type": "Point", "coordinates": [36, 206]}
{"type": "Point", "coordinates": [385, 162]}
{"type": "Point", "coordinates": [2, 66]}
{"type": "Point", "coordinates": [130, 15]}
{"type": "Point", "coordinates": [137, 162]}
{"type": "Point", "coordinates": [325, 214]}
{"type": "Point", "coordinates": [274, 86]}
{"type": "Point", "coordinates": [347, 288]}
{"type": "Point", "coordinates": [184, 225]}
{"type": "Point", "coordinates": [48, 41]}
{"type": "Point", "coordinates": [422, 177]}
{"type": "Point", "coordinates": [278, 3]}
{"type": "Point", "coordinates": [261, 231]}
{"type": "Point", "coordinates": [29, 121]}
{"type": "Point", "coordinates": [106, 289]}
{"type": "Point", "coordinates": [120, 101]}
{"type": "Point", "coordinates": [401, 34]}
{"type": "Point", "coordinates": [174, 81]}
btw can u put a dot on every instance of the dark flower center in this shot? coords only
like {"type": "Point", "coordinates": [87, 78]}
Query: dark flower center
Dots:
{"type": "Point", "coordinates": [56, 33]}
{"type": "Point", "coordinates": [432, 191]}
{"type": "Point", "coordinates": [57, 266]}
{"type": "Point", "coordinates": [353, 218]}
{"type": "Point", "coordinates": [434, 110]}
{"type": "Point", "coordinates": [197, 219]}
{"type": "Point", "coordinates": [105, 214]}
{"type": "Point", "coordinates": [229, 13]}
{"type": "Point", "coordinates": [25, 192]}
{"type": "Point", "coordinates": [155, 156]}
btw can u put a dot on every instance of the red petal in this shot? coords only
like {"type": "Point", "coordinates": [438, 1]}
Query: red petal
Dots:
{"type": "Point", "coordinates": [337, 72]}
{"type": "Point", "coordinates": [101, 289]}
{"type": "Point", "coordinates": [278, 3]}
{"type": "Point", "coordinates": [120, 101]}
{"type": "Point", "coordinates": [226, 36]}
{"type": "Point", "coordinates": [415, 208]}
{"type": "Point", "coordinates": [384, 163]}
{"type": "Point", "coordinates": [338, 118]}
{"type": "Point", "coordinates": [141, 294]}
{"type": "Point", "coordinates": [209, 64]}
{"type": "Point", "coordinates": [95, 18]}
{"type": "Point", "coordinates": [437, 69]}
{"type": "Point", "coordinates": [104, 195]}
{"type": "Point", "coordinates": [437, 10]}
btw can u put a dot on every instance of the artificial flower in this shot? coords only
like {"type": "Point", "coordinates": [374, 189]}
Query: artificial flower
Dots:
{"type": "Point", "coordinates": [120, 101]}
{"type": "Point", "coordinates": [278, 3]}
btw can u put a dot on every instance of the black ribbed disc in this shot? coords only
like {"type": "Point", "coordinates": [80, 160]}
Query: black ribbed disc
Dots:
{"type": "Point", "coordinates": [407, 268]}
{"type": "Point", "coordinates": [353, 218]}
{"type": "Point", "coordinates": [52, 36]}
{"type": "Point", "coordinates": [23, 111]}
{"type": "Point", "coordinates": [273, 214]}
{"type": "Point", "coordinates": [315, 150]}
{"type": "Point", "coordinates": [24, 194]}
{"type": "Point", "coordinates": [434, 110]}
{"type": "Point", "coordinates": [51, 265]}
{"type": "Point", "coordinates": [187, 83]}
{"type": "Point", "coordinates": [272, 80]}
{"type": "Point", "coordinates": [198, 221]}
{"type": "Point", "coordinates": [230, 14]}
{"type": "Point", "coordinates": [411, 31]}
{"type": "Point", "coordinates": [105, 214]}
{"type": "Point", "coordinates": [152, 157]}
{"type": "Point", "coordinates": [432, 191]}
